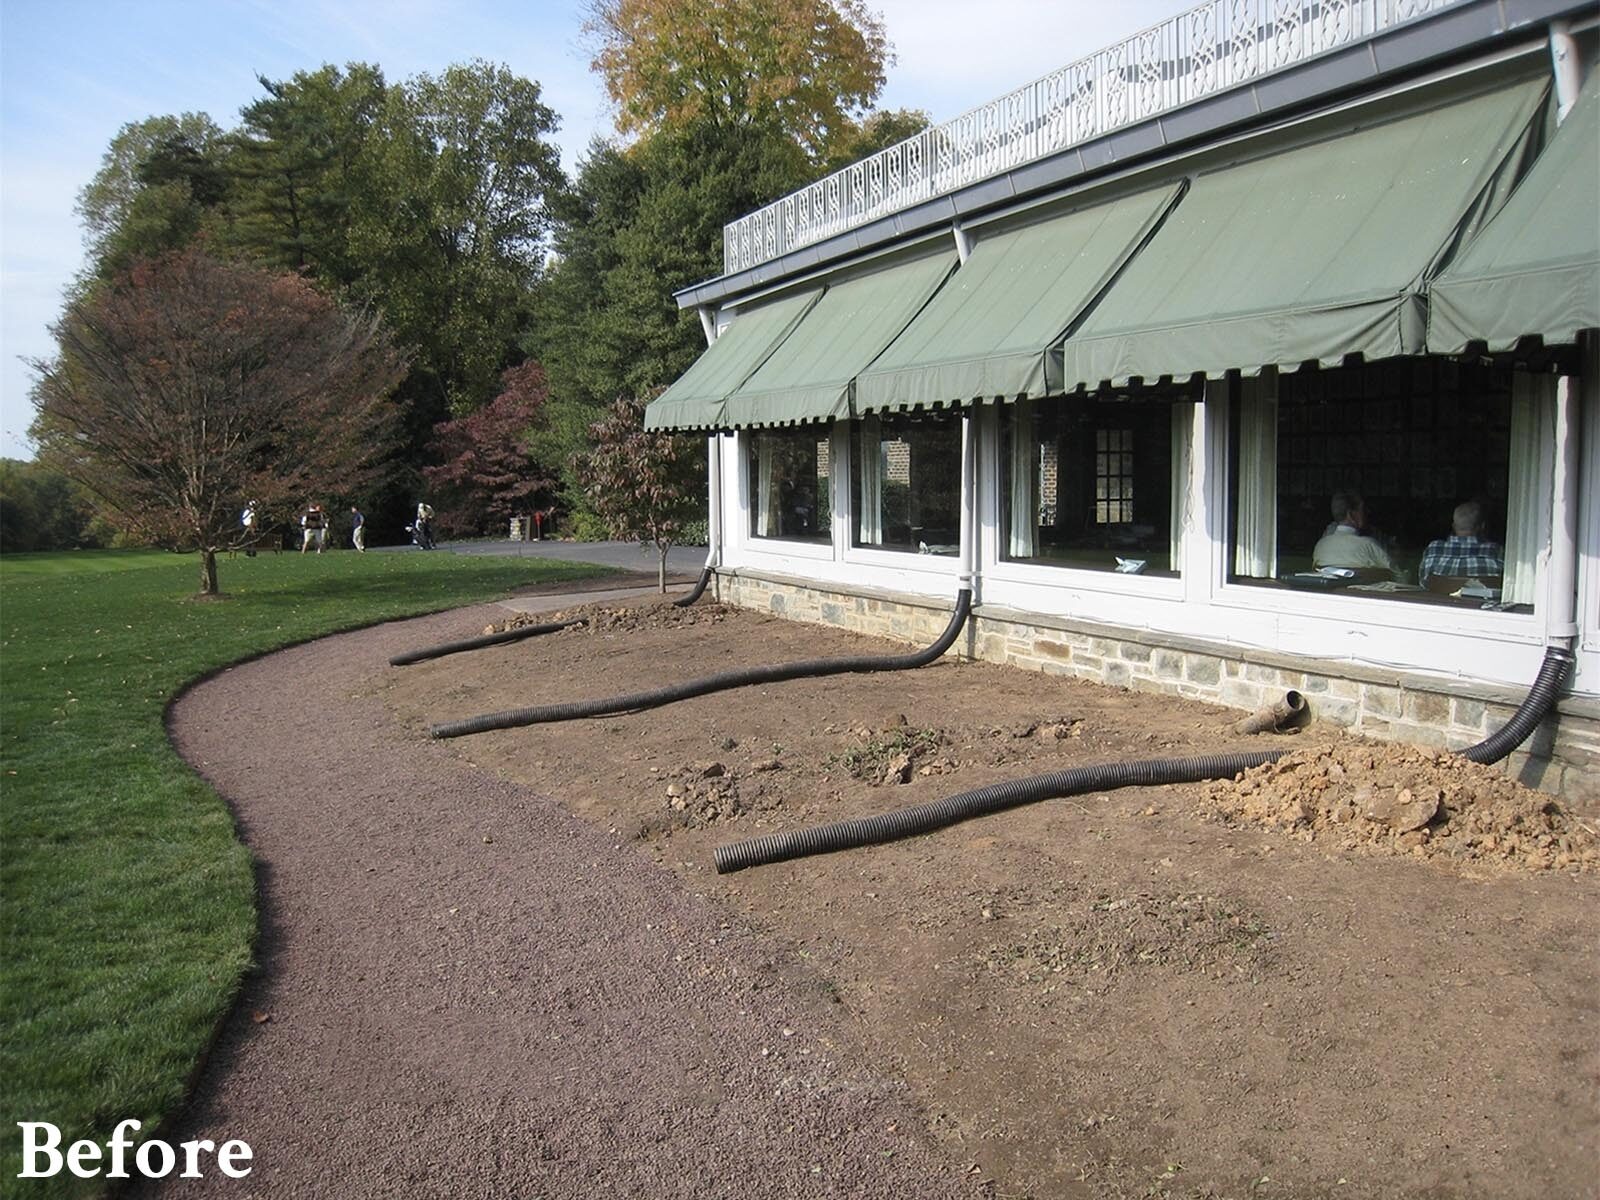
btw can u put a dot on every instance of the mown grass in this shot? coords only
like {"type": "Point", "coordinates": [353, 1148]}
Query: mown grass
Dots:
{"type": "Point", "coordinates": [126, 902]}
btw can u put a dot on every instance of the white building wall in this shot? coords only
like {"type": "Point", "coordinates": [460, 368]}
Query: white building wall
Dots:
{"type": "Point", "coordinates": [1492, 648]}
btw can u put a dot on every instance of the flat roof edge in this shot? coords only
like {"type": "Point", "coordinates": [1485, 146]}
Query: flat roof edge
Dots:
{"type": "Point", "coordinates": [1460, 33]}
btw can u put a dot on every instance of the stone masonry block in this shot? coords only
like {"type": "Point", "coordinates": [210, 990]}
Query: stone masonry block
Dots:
{"type": "Point", "coordinates": [1202, 668]}
{"type": "Point", "coordinates": [1468, 714]}
{"type": "Point", "coordinates": [1381, 701]}
{"type": "Point", "coordinates": [1336, 711]}
{"type": "Point", "coordinates": [1168, 664]}
{"type": "Point", "coordinates": [1237, 693]}
{"type": "Point", "coordinates": [1427, 708]}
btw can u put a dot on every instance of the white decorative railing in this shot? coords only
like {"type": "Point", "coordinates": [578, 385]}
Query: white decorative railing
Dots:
{"type": "Point", "coordinates": [1208, 49]}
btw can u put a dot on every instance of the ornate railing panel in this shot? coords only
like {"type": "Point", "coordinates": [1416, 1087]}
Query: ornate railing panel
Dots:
{"type": "Point", "coordinates": [1205, 50]}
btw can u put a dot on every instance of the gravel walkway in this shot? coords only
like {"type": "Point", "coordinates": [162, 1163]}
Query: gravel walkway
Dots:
{"type": "Point", "coordinates": [465, 992]}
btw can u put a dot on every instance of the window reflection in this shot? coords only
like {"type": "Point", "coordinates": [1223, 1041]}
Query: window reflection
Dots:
{"type": "Point", "coordinates": [790, 473]}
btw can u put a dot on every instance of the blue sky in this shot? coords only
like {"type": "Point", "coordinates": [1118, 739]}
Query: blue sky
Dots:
{"type": "Point", "coordinates": [73, 72]}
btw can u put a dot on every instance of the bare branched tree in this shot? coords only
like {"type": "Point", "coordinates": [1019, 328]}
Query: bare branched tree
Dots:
{"type": "Point", "coordinates": [186, 388]}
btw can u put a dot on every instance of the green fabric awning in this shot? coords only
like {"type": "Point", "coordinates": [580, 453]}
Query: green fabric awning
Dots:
{"type": "Point", "coordinates": [808, 377]}
{"type": "Point", "coordinates": [1313, 252]}
{"type": "Point", "coordinates": [696, 400]}
{"type": "Point", "coordinates": [988, 333]}
{"type": "Point", "coordinates": [1535, 268]}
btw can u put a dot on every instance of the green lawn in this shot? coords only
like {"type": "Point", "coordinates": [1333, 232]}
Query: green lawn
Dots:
{"type": "Point", "coordinates": [126, 902]}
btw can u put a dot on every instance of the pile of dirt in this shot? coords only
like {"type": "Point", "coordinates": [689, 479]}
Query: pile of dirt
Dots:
{"type": "Point", "coordinates": [1111, 935]}
{"type": "Point", "coordinates": [700, 795]}
{"type": "Point", "coordinates": [1398, 799]}
{"type": "Point", "coordinates": [614, 618]}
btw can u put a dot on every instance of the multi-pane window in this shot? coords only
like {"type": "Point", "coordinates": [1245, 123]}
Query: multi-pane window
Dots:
{"type": "Point", "coordinates": [1408, 479]}
{"type": "Point", "coordinates": [907, 472]}
{"type": "Point", "coordinates": [790, 473]}
{"type": "Point", "coordinates": [1113, 476]}
{"type": "Point", "coordinates": [1096, 484]}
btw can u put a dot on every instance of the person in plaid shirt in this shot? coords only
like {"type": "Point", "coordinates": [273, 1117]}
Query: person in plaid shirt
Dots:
{"type": "Point", "coordinates": [1463, 554]}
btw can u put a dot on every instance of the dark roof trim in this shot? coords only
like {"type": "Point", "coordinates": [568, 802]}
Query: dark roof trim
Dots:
{"type": "Point", "coordinates": [1458, 33]}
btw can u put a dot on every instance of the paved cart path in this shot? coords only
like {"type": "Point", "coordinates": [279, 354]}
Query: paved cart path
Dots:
{"type": "Point", "coordinates": [470, 993]}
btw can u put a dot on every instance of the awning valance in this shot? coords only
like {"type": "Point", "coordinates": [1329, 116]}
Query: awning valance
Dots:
{"type": "Point", "coordinates": [1312, 252]}
{"type": "Point", "coordinates": [808, 377]}
{"type": "Point", "coordinates": [989, 331]}
{"type": "Point", "coordinates": [696, 400]}
{"type": "Point", "coordinates": [1535, 268]}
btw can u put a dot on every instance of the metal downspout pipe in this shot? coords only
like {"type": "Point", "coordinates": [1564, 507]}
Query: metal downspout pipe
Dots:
{"type": "Point", "coordinates": [708, 325]}
{"type": "Point", "coordinates": [1564, 64]}
{"type": "Point", "coordinates": [1561, 588]}
{"type": "Point", "coordinates": [969, 504]}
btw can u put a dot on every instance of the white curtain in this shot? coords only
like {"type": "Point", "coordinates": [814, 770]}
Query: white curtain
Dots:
{"type": "Point", "coordinates": [766, 502]}
{"type": "Point", "coordinates": [870, 518]}
{"type": "Point", "coordinates": [1182, 428]}
{"type": "Point", "coordinates": [1024, 482]}
{"type": "Point", "coordinates": [1533, 403]}
{"type": "Point", "coordinates": [1255, 554]}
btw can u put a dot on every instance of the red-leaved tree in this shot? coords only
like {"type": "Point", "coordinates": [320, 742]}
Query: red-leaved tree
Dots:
{"type": "Point", "coordinates": [645, 487]}
{"type": "Point", "coordinates": [486, 474]}
{"type": "Point", "coordinates": [187, 387]}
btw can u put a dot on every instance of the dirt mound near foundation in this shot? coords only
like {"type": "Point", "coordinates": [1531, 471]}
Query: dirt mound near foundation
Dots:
{"type": "Point", "coordinates": [615, 618]}
{"type": "Point", "coordinates": [1401, 800]}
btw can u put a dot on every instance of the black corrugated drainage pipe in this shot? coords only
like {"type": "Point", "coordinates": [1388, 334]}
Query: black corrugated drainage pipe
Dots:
{"type": "Point", "coordinates": [936, 814]}
{"type": "Point", "coordinates": [476, 643]}
{"type": "Point", "coordinates": [723, 681]}
{"type": "Point", "coordinates": [699, 589]}
{"type": "Point", "coordinates": [1540, 699]}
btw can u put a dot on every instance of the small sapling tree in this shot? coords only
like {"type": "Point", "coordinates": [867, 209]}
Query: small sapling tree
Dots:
{"type": "Point", "coordinates": [186, 388]}
{"type": "Point", "coordinates": [645, 487]}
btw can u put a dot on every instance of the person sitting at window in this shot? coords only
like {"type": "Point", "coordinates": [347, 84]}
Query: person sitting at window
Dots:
{"type": "Point", "coordinates": [1463, 555]}
{"type": "Point", "coordinates": [1344, 545]}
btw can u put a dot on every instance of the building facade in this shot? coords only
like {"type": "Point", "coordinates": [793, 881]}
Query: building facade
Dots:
{"type": "Point", "coordinates": [1206, 378]}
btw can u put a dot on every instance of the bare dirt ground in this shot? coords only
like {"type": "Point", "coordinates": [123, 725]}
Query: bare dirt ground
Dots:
{"type": "Point", "coordinates": [1365, 971]}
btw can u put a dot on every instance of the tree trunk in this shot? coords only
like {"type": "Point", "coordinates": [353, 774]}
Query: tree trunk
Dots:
{"type": "Point", "coordinates": [208, 572]}
{"type": "Point", "coordinates": [661, 573]}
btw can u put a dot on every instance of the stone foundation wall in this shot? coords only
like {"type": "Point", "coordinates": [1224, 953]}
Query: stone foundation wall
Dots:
{"type": "Point", "coordinates": [1562, 758]}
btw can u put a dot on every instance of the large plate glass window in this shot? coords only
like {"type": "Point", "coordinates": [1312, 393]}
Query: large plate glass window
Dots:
{"type": "Point", "coordinates": [1411, 479]}
{"type": "Point", "coordinates": [790, 473]}
{"type": "Point", "coordinates": [907, 472]}
{"type": "Point", "coordinates": [1096, 484]}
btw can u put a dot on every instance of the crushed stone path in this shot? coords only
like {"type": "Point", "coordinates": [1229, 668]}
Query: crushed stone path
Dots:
{"type": "Point", "coordinates": [463, 991]}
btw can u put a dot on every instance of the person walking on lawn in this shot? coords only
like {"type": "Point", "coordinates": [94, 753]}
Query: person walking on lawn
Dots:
{"type": "Point", "coordinates": [313, 528]}
{"type": "Point", "coordinates": [358, 529]}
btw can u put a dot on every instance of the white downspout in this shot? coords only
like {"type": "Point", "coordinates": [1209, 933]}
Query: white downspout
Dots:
{"type": "Point", "coordinates": [1564, 63]}
{"type": "Point", "coordinates": [969, 461]}
{"type": "Point", "coordinates": [963, 242]}
{"type": "Point", "coordinates": [1561, 586]}
{"type": "Point", "coordinates": [714, 525]}
{"type": "Point", "coordinates": [969, 503]}
{"type": "Point", "coordinates": [708, 325]}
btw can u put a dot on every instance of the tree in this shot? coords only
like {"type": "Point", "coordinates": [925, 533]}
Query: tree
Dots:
{"type": "Point", "coordinates": [645, 487]}
{"type": "Point", "coordinates": [185, 388]}
{"type": "Point", "coordinates": [297, 162]}
{"type": "Point", "coordinates": [450, 224]}
{"type": "Point", "coordinates": [160, 183]}
{"type": "Point", "coordinates": [486, 474]}
{"type": "Point", "coordinates": [638, 225]}
{"type": "Point", "coordinates": [804, 67]}
{"type": "Point", "coordinates": [41, 509]}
